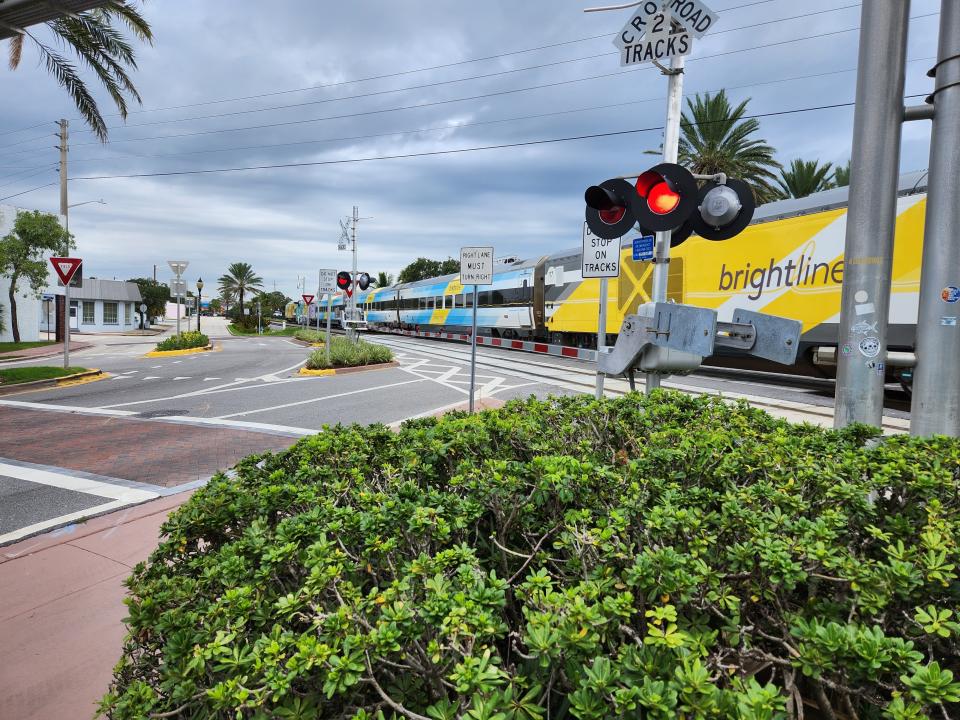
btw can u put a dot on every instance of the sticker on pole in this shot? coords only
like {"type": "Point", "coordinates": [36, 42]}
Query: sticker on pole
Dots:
{"type": "Point", "coordinates": [65, 267]}
{"type": "Point", "coordinates": [950, 294]}
{"type": "Point", "coordinates": [307, 299]}
{"type": "Point", "coordinates": [601, 257]}
{"type": "Point", "coordinates": [328, 282]}
{"type": "Point", "coordinates": [643, 248]}
{"type": "Point", "coordinates": [476, 266]}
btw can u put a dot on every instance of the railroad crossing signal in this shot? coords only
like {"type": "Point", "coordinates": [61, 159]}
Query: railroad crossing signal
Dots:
{"type": "Point", "coordinates": [345, 282]}
{"type": "Point", "coordinates": [666, 198]}
{"type": "Point", "coordinates": [363, 281]}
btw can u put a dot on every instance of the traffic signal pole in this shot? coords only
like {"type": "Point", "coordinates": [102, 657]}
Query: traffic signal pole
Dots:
{"type": "Point", "coordinates": [935, 407]}
{"type": "Point", "coordinates": [868, 251]}
{"type": "Point", "coordinates": [671, 147]}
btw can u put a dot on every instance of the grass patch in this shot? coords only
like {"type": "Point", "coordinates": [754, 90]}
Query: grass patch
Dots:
{"type": "Point", "coordinates": [344, 353]}
{"type": "Point", "coordinates": [184, 341]}
{"type": "Point", "coordinates": [13, 376]}
{"type": "Point", "coordinates": [245, 332]}
{"type": "Point", "coordinates": [9, 347]}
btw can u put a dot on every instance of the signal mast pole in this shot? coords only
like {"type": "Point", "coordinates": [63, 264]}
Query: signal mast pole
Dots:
{"type": "Point", "coordinates": [671, 149]}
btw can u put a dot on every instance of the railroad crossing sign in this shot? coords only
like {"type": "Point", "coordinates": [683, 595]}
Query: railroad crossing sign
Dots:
{"type": "Point", "coordinates": [694, 15]}
{"type": "Point", "coordinates": [662, 29]}
{"type": "Point", "coordinates": [307, 299]}
{"type": "Point", "coordinates": [328, 282]}
{"type": "Point", "coordinates": [601, 257]}
{"type": "Point", "coordinates": [65, 267]}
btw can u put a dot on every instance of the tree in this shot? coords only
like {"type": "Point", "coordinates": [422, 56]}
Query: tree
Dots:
{"type": "Point", "coordinates": [238, 281]}
{"type": "Point", "coordinates": [155, 295]}
{"type": "Point", "coordinates": [805, 177]}
{"type": "Point", "coordinates": [841, 175]}
{"type": "Point", "coordinates": [715, 138]}
{"type": "Point", "coordinates": [22, 252]}
{"type": "Point", "coordinates": [272, 301]}
{"type": "Point", "coordinates": [423, 268]}
{"type": "Point", "coordinates": [384, 279]}
{"type": "Point", "coordinates": [216, 306]}
{"type": "Point", "coordinates": [96, 39]}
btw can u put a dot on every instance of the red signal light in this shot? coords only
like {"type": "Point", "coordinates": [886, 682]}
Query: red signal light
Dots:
{"type": "Point", "coordinates": [613, 215]}
{"type": "Point", "coordinates": [661, 199]}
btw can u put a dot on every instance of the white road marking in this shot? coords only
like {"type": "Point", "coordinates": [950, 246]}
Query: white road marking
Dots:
{"type": "Point", "coordinates": [177, 361]}
{"type": "Point", "coordinates": [156, 367]}
{"type": "Point", "coordinates": [240, 424]}
{"type": "Point", "coordinates": [120, 377]}
{"type": "Point", "coordinates": [182, 377]}
{"type": "Point", "coordinates": [130, 372]}
{"type": "Point", "coordinates": [320, 399]}
{"type": "Point", "coordinates": [67, 408]}
{"type": "Point", "coordinates": [151, 377]}
{"type": "Point", "coordinates": [209, 379]}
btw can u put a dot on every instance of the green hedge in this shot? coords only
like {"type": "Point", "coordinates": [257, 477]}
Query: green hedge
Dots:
{"type": "Point", "coordinates": [344, 353]}
{"type": "Point", "coordinates": [184, 341]}
{"type": "Point", "coordinates": [664, 558]}
{"type": "Point", "coordinates": [311, 336]}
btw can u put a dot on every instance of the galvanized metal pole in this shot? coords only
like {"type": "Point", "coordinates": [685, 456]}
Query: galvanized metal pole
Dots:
{"type": "Point", "coordinates": [601, 334]}
{"type": "Point", "coordinates": [65, 211]}
{"type": "Point", "coordinates": [329, 314]}
{"type": "Point", "coordinates": [671, 146]}
{"type": "Point", "coordinates": [868, 253]}
{"type": "Point", "coordinates": [353, 295]}
{"type": "Point", "coordinates": [178, 299]}
{"type": "Point", "coordinates": [473, 349]}
{"type": "Point", "coordinates": [935, 408]}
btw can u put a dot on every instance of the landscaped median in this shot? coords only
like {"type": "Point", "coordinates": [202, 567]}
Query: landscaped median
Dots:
{"type": "Point", "coordinates": [23, 378]}
{"type": "Point", "coordinates": [646, 557]}
{"type": "Point", "coordinates": [186, 343]}
{"type": "Point", "coordinates": [347, 356]}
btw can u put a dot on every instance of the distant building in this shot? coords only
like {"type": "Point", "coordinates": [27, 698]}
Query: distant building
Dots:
{"type": "Point", "coordinates": [100, 306]}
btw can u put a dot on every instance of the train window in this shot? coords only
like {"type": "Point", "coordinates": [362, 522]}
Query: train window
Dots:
{"type": "Point", "coordinates": [498, 297]}
{"type": "Point", "coordinates": [430, 302]}
{"type": "Point", "coordinates": [468, 300]}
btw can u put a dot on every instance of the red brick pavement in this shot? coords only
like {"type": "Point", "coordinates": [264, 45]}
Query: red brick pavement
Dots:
{"type": "Point", "coordinates": [41, 351]}
{"type": "Point", "coordinates": [148, 451]}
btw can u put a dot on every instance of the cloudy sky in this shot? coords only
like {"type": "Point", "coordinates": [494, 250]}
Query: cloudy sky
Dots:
{"type": "Point", "coordinates": [235, 83]}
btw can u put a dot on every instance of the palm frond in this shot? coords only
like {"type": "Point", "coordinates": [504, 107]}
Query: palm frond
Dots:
{"type": "Point", "coordinates": [16, 51]}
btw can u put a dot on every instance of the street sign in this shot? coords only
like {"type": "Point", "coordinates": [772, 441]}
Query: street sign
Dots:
{"type": "Point", "coordinates": [601, 257]}
{"type": "Point", "coordinates": [476, 266]}
{"type": "Point", "coordinates": [328, 282]}
{"type": "Point", "coordinates": [143, 307]}
{"type": "Point", "coordinates": [647, 14]}
{"type": "Point", "coordinates": [307, 299]}
{"type": "Point", "coordinates": [643, 248]}
{"type": "Point", "coordinates": [694, 15]}
{"type": "Point", "coordinates": [178, 266]}
{"type": "Point", "coordinates": [65, 267]}
{"type": "Point", "coordinates": [178, 288]}
{"type": "Point", "coordinates": [189, 302]}
{"type": "Point", "coordinates": [658, 45]}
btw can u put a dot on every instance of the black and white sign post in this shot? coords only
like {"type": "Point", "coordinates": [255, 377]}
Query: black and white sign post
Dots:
{"type": "Point", "coordinates": [601, 259]}
{"type": "Point", "coordinates": [476, 268]}
{"type": "Point", "coordinates": [663, 30]}
{"type": "Point", "coordinates": [328, 285]}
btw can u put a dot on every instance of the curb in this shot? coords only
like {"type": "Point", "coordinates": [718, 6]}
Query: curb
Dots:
{"type": "Point", "coordinates": [304, 343]}
{"type": "Point", "coordinates": [171, 353]}
{"type": "Point", "coordinates": [65, 381]}
{"type": "Point", "coordinates": [348, 370]}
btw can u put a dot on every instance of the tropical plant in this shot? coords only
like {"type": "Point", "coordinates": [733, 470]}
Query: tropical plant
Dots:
{"type": "Point", "coordinates": [96, 39]}
{"type": "Point", "coordinates": [216, 306]}
{"type": "Point", "coordinates": [384, 279]}
{"type": "Point", "coordinates": [237, 282]}
{"type": "Point", "coordinates": [841, 175]}
{"type": "Point", "coordinates": [184, 341]}
{"type": "Point", "coordinates": [805, 177]}
{"type": "Point", "coordinates": [22, 251]}
{"type": "Point", "coordinates": [657, 558]}
{"type": "Point", "coordinates": [344, 353]}
{"type": "Point", "coordinates": [715, 138]}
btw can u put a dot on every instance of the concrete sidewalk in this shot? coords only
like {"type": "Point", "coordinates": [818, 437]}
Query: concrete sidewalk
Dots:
{"type": "Point", "coordinates": [61, 612]}
{"type": "Point", "coordinates": [41, 351]}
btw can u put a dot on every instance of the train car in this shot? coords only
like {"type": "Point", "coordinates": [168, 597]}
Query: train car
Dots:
{"type": "Point", "coordinates": [379, 306]}
{"type": "Point", "coordinates": [788, 262]}
{"type": "Point", "coordinates": [291, 311]}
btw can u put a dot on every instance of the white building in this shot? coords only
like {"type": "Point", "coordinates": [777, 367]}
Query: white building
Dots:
{"type": "Point", "coordinates": [28, 305]}
{"type": "Point", "coordinates": [100, 306]}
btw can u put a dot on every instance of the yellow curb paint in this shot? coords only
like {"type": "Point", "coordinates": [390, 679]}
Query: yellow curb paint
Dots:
{"type": "Point", "coordinates": [317, 373]}
{"type": "Point", "coordinates": [171, 353]}
{"type": "Point", "coordinates": [72, 380]}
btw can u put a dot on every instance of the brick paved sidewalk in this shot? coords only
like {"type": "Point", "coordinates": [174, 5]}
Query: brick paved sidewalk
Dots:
{"type": "Point", "coordinates": [147, 451]}
{"type": "Point", "coordinates": [41, 351]}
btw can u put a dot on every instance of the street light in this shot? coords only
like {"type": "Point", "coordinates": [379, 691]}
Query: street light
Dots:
{"type": "Point", "coordinates": [199, 296]}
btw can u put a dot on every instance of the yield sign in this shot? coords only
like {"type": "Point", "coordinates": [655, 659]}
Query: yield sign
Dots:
{"type": "Point", "coordinates": [307, 299]}
{"type": "Point", "coordinates": [65, 267]}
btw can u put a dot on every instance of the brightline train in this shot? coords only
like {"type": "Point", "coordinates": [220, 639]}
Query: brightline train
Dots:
{"type": "Point", "coordinates": [788, 262]}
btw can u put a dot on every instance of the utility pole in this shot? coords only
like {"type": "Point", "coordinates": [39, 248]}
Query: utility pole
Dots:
{"type": "Point", "coordinates": [353, 295]}
{"type": "Point", "coordinates": [868, 251]}
{"type": "Point", "coordinates": [935, 407]}
{"type": "Point", "coordinates": [64, 137]}
{"type": "Point", "coordinates": [671, 148]}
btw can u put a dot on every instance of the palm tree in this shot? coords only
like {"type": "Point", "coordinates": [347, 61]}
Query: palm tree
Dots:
{"type": "Point", "coordinates": [98, 42]}
{"type": "Point", "coordinates": [716, 139]}
{"type": "Point", "coordinates": [805, 177]}
{"type": "Point", "coordinates": [841, 176]}
{"type": "Point", "coordinates": [384, 279]}
{"type": "Point", "coordinates": [239, 280]}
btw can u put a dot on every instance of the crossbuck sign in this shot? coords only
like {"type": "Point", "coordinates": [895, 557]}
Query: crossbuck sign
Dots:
{"type": "Point", "coordinates": [662, 29]}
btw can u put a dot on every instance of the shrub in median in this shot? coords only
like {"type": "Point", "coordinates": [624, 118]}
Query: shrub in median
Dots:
{"type": "Point", "coordinates": [659, 558]}
{"type": "Point", "coordinates": [310, 336]}
{"type": "Point", "coordinates": [344, 353]}
{"type": "Point", "coordinates": [184, 341]}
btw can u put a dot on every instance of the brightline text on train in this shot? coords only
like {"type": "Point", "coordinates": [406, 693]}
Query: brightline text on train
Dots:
{"type": "Point", "coordinates": [792, 274]}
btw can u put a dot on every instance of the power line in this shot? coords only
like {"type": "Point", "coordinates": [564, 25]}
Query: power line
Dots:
{"type": "Point", "coordinates": [23, 142]}
{"type": "Point", "coordinates": [440, 83]}
{"type": "Point", "coordinates": [30, 175]}
{"type": "Point", "coordinates": [24, 129]}
{"type": "Point", "coordinates": [457, 126]}
{"type": "Point", "coordinates": [455, 151]}
{"type": "Point", "coordinates": [28, 191]}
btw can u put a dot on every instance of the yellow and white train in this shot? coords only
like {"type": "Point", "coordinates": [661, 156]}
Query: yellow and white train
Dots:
{"type": "Point", "coordinates": [788, 262]}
